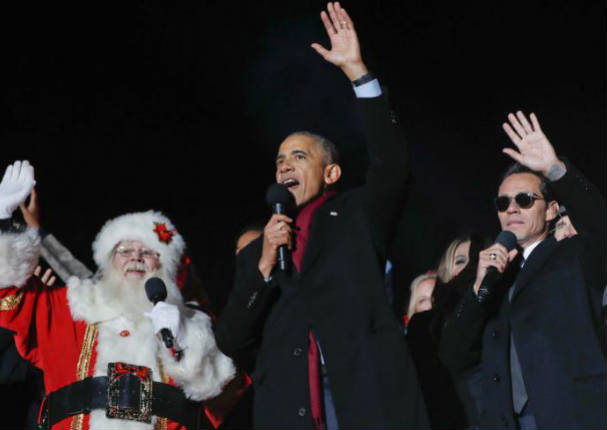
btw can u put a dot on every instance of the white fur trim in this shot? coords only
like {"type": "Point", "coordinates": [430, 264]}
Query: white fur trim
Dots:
{"type": "Point", "coordinates": [19, 253]}
{"type": "Point", "coordinates": [203, 370]}
{"type": "Point", "coordinates": [139, 348]}
{"type": "Point", "coordinates": [140, 226]}
{"type": "Point", "coordinates": [87, 302]}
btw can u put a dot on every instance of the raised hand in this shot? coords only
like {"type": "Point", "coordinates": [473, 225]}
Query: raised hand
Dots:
{"type": "Point", "coordinates": [16, 185]}
{"type": "Point", "coordinates": [345, 49]}
{"type": "Point", "coordinates": [534, 149]}
{"type": "Point", "coordinates": [31, 212]}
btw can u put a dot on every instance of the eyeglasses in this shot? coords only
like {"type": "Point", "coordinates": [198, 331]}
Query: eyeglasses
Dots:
{"type": "Point", "coordinates": [143, 252]}
{"type": "Point", "coordinates": [523, 201]}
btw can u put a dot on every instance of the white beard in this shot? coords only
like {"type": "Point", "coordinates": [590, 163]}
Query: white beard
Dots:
{"type": "Point", "coordinates": [127, 296]}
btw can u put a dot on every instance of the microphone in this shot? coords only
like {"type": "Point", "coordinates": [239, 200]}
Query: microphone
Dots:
{"type": "Point", "coordinates": [157, 292]}
{"type": "Point", "coordinates": [508, 240]}
{"type": "Point", "coordinates": [280, 200]}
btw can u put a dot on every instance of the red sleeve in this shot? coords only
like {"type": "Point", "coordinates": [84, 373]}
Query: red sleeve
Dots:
{"type": "Point", "coordinates": [22, 309]}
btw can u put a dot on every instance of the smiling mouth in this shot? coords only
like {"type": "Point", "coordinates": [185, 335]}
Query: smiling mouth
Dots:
{"type": "Point", "coordinates": [137, 271]}
{"type": "Point", "coordinates": [290, 182]}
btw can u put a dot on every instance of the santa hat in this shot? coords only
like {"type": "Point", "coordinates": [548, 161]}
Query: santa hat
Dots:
{"type": "Point", "coordinates": [152, 228]}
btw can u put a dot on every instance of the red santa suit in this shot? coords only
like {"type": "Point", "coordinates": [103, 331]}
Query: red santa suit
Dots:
{"type": "Point", "coordinates": [74, 332]}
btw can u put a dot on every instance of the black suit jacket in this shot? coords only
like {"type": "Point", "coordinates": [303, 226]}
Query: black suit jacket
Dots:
{"type": "Point", "coordinates": [340, 294]}
{"type": "Point", "coordinates": [553, 317]}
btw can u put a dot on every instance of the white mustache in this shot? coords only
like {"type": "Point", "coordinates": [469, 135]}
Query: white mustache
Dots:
{"type": "Point", "coordinates": [135, 265]}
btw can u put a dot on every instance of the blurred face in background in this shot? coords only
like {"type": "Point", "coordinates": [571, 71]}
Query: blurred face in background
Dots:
{"type": "Point", "coordinates": [460, 260]}
{"type": "Point", "coordinates": [246, 238]}
{"type": "Point", "coordinates": [564, 228]}
{"type": "Point", "coordinates": [423, 295]}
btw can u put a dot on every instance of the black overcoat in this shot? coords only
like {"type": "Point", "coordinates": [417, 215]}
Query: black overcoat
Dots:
{"type": "Point", "coordinates": [340, 295]}
{"type": "Point", "coordinates": [554, 317]}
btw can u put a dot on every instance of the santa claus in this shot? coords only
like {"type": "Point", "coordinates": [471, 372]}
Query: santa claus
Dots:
{"type": "Point", "coordinates": [98, 341]}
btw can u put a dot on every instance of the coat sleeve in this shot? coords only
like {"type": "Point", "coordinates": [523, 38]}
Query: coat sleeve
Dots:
{"type": "Point", "coordinates": [587, 210]}
{"type": "Point", "coordinates": [386, 182]}
{"type": "Point", "coordinates": [460, 345]}
{"type": "Point", "coordinates": [61, 260]}
{"type": "Point", "coordinates": [19, 253]}
{"type": "Point", "coordinates": [239, 327]}
{"type": "Point", "coordinates": [585, 204]}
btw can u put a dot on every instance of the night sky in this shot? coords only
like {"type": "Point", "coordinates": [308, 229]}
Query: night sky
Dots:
{"type": "Point", "coordinates": [181, 107]}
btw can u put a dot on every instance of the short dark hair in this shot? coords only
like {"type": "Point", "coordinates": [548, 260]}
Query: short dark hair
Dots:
{"type": "Point", "coordinates": [517, 167]}
{"type": "Point", "coordinates": [328, 147]}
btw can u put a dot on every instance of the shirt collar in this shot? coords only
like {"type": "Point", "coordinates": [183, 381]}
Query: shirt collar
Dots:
{"type": "Point", "coordinates": [527, 251]}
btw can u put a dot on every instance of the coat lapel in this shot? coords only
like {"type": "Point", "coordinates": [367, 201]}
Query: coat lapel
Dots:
{"type": "Point", "coordinates": [533, 264]}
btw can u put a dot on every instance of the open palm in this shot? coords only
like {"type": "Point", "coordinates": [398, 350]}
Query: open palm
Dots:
{"type": "Point", "coordinates": [345, 48]}
{"type": "Point", "coordinates": [534, 149]}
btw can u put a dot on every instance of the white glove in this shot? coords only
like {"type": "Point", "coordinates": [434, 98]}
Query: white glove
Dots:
{"type": "Point", "coordinates": [165, 315]}
{"type": "Point", "coordinates": [16, 185]}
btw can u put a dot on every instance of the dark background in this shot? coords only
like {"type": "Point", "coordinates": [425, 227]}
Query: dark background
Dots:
{"type": "Point", "coordinates": [180, 107]}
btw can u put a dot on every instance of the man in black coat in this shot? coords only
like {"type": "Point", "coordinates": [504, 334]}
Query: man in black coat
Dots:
{"type": "Point", "coordinates": [330, 312]}
{"type": "Point", "coordinates": [536, 330]}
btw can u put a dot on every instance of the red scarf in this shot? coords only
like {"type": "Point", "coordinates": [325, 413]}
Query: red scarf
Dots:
{"type": "Point", "coordinates": [303, 222]}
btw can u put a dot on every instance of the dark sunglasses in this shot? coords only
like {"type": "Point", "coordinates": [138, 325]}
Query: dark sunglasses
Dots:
{"type": "Point", "coordinates": [523, 201]}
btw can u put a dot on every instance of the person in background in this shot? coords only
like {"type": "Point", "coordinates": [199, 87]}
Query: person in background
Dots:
{"type": "Point", "coordinates": [457, 269]}
{"type": "Point", "coordinates": [454, 259]}
{"type": "Point", "coordinates": [563, 227]}
{"type": "Point", "coordinates": [451, 399]}
{"type": "Point", "coordinates": [420, 299]}
{"type": "Point", "coordinates": [247, 235]}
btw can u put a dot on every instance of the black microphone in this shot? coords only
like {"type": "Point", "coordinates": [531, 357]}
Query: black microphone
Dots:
{"type": "Point", "coordinates": [157, 292]}
{"type": "Point", "coordinates": [508, 240]}
{"type": "Point", "coordinates": [280, 200]}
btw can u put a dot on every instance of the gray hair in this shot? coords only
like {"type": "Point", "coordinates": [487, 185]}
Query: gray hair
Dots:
{"type": "Point", "coordinates": [331, 154]}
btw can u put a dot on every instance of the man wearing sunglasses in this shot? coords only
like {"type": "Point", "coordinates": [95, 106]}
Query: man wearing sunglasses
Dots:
{"type": "Point", "coordinates": [536, 330]}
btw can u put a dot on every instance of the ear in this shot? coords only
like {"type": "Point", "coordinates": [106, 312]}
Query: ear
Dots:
{"type": "Point", "coordinates": [332, 173]}
{"type": "Point", "coordinates": [552, 210]}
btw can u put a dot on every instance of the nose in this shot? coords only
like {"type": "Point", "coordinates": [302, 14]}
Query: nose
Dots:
{"type": "Point", "coordinates": [137, 255]}
{"type": "Point", "coordinates": [285, 167]}
{"type": "Point", "coordinates": [513, 207]}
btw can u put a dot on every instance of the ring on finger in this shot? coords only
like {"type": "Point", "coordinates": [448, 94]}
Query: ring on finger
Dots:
{"type": "Point", "coordinates": [493, 256]}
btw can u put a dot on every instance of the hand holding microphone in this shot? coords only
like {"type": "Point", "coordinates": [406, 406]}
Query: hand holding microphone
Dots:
{"type": "Point", "coordinates": [165, 317]}
{"type": "Point", "coordinates": [278, 233]}
{"type": "Point", "coordinates": [493, 261]}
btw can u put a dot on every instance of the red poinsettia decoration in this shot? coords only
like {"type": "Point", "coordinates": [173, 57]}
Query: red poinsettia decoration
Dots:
{"type": "Point", "coordinates": [164, 235]}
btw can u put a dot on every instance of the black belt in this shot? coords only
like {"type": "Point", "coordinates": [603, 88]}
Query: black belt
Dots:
{"type": "Point", "coordinates": [92, 393]}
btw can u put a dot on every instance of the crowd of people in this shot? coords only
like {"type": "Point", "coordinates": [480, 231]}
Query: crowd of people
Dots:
{"type": "Point", "coordinates": [499, 334]}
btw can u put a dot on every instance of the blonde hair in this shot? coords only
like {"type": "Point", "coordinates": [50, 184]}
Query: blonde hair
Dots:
{"type": "Point", "coordinates": [445, 266]}
{"type": "Point", "coordinates": [421, 278]}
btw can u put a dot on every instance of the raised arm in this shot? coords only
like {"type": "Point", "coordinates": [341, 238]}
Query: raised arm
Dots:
{"type": "Point", "coordinates": [585, 204]}
{"type": "Point", "coordinates": [385, 187]}
{"type": "Point", "coordinates": [54, 252]}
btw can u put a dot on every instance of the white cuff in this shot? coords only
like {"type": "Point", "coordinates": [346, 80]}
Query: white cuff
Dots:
{"type": "Point", "coordinates": [369, 90]}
